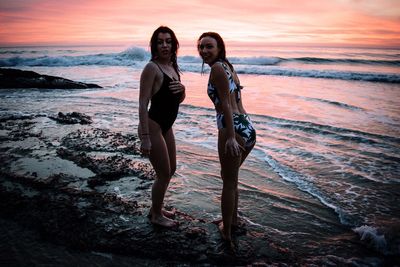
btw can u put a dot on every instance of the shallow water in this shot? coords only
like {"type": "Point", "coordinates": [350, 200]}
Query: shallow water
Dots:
{"type": "Point", "coordinates": [326, 163]}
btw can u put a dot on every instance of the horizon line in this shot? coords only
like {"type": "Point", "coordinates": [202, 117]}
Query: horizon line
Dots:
{"type": "Point", "coordinates": [230, 43]}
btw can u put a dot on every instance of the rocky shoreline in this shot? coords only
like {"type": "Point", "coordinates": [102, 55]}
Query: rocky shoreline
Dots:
{"type": "Point", "coordinates": [65, 183]}
{"type": "Point", "coordinates": [15, 78]}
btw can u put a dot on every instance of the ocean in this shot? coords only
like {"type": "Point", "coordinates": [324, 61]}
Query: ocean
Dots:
{"type": "Point", "coordinates": [327, 160]}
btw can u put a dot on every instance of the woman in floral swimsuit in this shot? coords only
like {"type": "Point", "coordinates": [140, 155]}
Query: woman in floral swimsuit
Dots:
{"type": "Point", "coordinates": [236, 135]}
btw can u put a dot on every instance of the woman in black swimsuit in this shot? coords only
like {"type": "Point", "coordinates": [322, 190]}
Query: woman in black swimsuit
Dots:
{"type": "Point", "coordinates": [160, 84]}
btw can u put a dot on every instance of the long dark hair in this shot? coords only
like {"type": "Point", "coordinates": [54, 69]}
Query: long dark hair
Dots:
{"type": "Point", "coordinates": [220, 45]}
{"type": "Point", "coordinates": [175, 46]}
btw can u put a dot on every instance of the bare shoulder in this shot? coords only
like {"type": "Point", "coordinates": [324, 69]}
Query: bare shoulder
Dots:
{"type": "Point", "coordinates": [150, 67]}
{"type": "Point", "coordinates": [151, 71]}
{"type": "Point", "coordinates": [217, 71]}
{"type": "Point", "coordinates": [217, 67]}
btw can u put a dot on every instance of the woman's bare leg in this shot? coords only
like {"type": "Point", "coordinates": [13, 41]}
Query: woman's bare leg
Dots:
{"type": "Point", "coordinates": [170, 142]}
{"type": "Point", "coordinates": [244, 156]}
{"type": "Point", "coordinates": [171, 146]}
{"type": "Point", "coordinates": [229, 172]}
{"type": "Point", "coordinates": [159, 158]}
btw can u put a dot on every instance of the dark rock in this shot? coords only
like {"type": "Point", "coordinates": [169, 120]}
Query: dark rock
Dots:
{"type": "Point", "coordinates": [195, 232]}
{"type": "Point", "coordinates": [72, 118]}
{"type": "Point", "coordinates": [14, 78]}
{"type": "Point", "coordinates": [91, 214]}
{"type": "Point", "coordinates": [90, 140]}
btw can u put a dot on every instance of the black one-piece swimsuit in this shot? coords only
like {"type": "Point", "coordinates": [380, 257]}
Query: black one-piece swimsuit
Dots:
{"type": "Point", "coordinates": [164, 105]}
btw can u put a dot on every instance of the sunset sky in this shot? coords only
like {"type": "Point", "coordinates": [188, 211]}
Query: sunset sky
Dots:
{"type": "Point", "coordinates": [131, 22]}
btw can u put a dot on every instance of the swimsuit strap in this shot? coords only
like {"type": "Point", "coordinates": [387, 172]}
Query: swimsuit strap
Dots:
{"type": "Point", "coordinates": [172, 78]}
{"type": "Point", "coordinates": [159, 67]}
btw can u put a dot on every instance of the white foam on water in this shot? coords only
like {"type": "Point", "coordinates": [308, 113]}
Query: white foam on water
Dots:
{"type": "Point", "coordinates": [371, 236]}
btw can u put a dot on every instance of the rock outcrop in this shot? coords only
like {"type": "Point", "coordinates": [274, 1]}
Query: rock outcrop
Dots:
{"type": "Point", "coordinates": [88, 189]}
{"type": "Point", "coordinates": [14, 78]}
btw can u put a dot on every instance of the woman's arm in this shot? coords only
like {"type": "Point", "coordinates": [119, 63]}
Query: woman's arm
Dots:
{"type": "Point", "coordinates": [147, 79]}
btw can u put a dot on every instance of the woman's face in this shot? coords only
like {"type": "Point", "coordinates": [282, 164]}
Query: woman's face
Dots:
{"type": "Point", "coordinates": [164, 45]}
{"type": "Point", "coordinates": [208, 49]}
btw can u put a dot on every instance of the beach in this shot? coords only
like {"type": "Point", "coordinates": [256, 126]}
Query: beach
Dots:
{"type": "Point", "coordinates": [320, 188]}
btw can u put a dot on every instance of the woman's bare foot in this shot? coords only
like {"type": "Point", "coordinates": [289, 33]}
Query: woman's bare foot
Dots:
{"type": "Point", "coordinates": [228, 243]}
{"type": "Point", "coordinates": [166, 213]}
{"type": "Point", "coordinates": [169, 213]}
{"type": "Point", "coordinates": [163, 221]}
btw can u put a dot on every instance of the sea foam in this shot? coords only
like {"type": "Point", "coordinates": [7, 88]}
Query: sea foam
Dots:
{"type": "Point", "coordinates": [371, 236]}
{"type": "Point", "coordinates": [262, 65]}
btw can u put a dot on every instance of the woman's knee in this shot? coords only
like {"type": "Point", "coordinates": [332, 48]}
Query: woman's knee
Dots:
{"type": "Point", "coordinates": [172, 166]}
{"type": "Point", "coordinates": [164, 175]}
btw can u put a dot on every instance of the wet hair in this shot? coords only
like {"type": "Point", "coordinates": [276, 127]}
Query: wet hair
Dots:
{"type": "Point", "coordinates": [220, 44]}
{"type": "Point", "coordinates": [174, 50]}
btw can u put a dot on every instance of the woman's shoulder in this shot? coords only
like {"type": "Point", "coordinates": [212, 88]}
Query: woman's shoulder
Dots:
{"type": "Point", "coordinates": [218, 73]}
{"type": "Point", "coordinates": [152, 68]}
{"type": "Point", "coordinates": [221, 67]}
{"type": "Point", "coordinates": [151, 71]}
{"type": "Point", "coordinates": [151, 65]}
{"type": "Point", "coordinates": [218, 67]}
{"type": "Point", "coordinates": [224, 64]}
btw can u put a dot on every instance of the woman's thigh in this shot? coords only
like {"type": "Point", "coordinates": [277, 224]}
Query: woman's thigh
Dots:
{"type": "Point", "coordinates": [171, 146]}
{"type": "Point", "coordinates": [229, 164]}
{"type": "Point", "coordinates": [159, 156]}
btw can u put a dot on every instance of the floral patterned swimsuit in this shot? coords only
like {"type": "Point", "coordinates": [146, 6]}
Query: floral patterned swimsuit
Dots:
{"type": "Point", "coordinates": [241, 122]}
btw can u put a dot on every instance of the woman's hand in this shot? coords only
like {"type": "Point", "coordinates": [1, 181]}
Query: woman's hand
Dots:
{"type": "Point", "coordinates": [233, 148]}
{"type": "Point", "coordinates": [145, 145]}
{"type": "Point", "coordinates": [176, 87]}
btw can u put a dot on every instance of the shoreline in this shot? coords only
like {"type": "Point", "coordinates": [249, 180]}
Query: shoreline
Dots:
{"type": "Point", "coordinates": [87, 214]}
